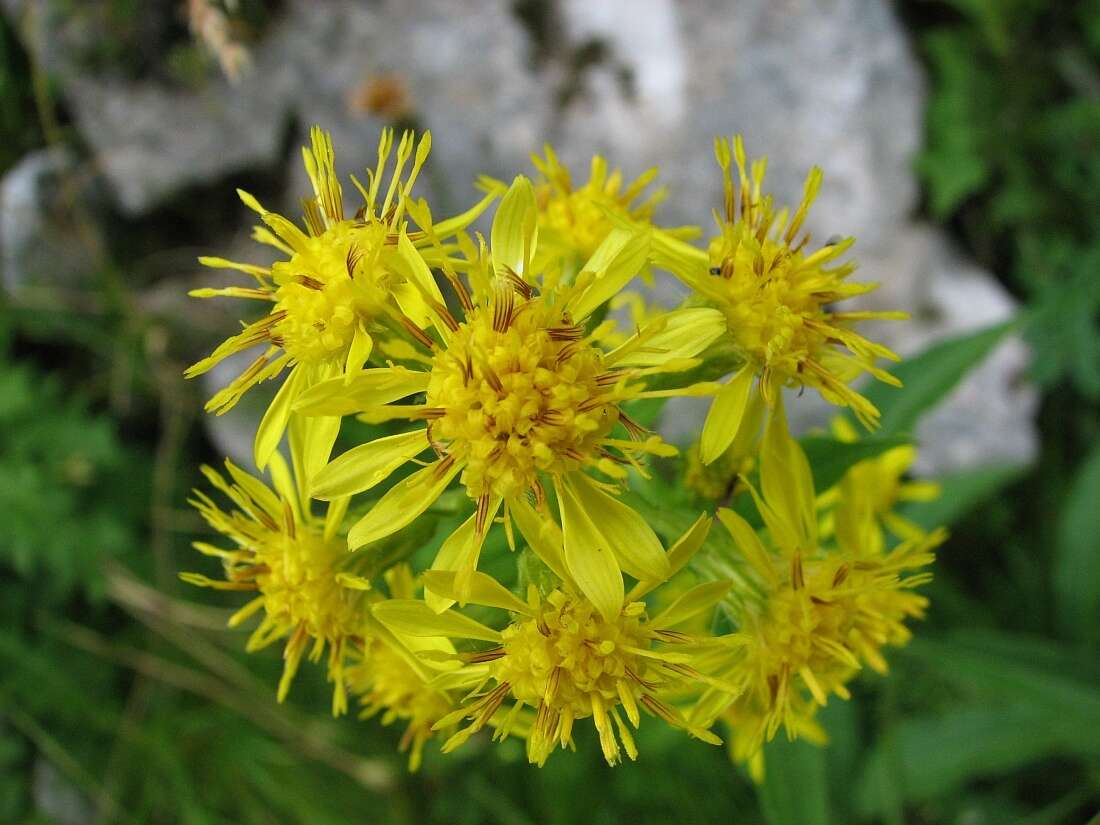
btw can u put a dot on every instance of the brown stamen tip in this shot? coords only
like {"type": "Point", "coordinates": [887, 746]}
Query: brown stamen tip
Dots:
{"type": "Point", "coordinates": [416, 332]}
{"type": "Point", "coordinates": [355, 255]}
{"type": "Point", "coordinates": [520, 286]}
{"type": "Point", "coordinates": [797, 580]}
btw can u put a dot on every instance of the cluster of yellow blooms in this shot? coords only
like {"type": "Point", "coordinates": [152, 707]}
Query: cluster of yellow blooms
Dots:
{"type": "Point", "coordinates": [501, 392]}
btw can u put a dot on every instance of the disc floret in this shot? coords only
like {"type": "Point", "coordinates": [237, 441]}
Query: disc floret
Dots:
{"type": "Point", "coordinates": [517, 393]}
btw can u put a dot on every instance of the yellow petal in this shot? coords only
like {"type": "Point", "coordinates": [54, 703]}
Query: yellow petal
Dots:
{"type": "Point", "coordinates": [367, 389]}
{"type": "Point", "coordinates": [459, 554]}
{"type": "Point", "coordinates": [725, 415]}
{"type": "Point", "coordinates": [693, 602]}
{"type": "Point", "coordinates": [483, 589]}
{"type": "Point", "coordinates": [684, 333]}
{"type": "Point", "coordinates": [679, 554]}
{"type": "Point", "coordinates": [362, 467]}
{"type": "Point", "coordinates": [273, 424]}
{"type": "Point", "coordinates": [515, 228]}
{"type": "Point", "coordinates": [635, 545]}
{"type": "Point", "coordinates": [588, 557]}
{"type": "Point", "coordinates": [748, 543]}
{"type": "Point", "coordinates": [785, 478]}
{"type": "Point", "coordinates": [415, 618]}
{"type": "Point", "coordinates": [401, 504]}
{"type": "Point", "coordinates": [542, 535]}
{"type": "Point", "coordinates": [620, 257]}
{"type": "Point", "coordinates": [358, 352]}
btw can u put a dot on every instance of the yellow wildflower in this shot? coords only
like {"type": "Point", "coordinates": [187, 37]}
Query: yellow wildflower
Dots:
{"type": "Point", "coordinates": [518, 392]}
{"type": "Point", "coordinates": [337, 289]}
{"type": "Point", "coordinates": [814, 615]}
{"type": "Point", "coordinates": [391, 675]}
{"type": "Point", "coordinates": [562, 657]}
{"type": "Point", "coordinates": [778, 301]}
{"type": "Point", "coordinates": [862, 508]}
{"type": "Point", "coordinates": [747, 722]}
{"type": "Point", "coordinates": [295, 560]}
{"type": "Point", "coordinates": [573, 221]}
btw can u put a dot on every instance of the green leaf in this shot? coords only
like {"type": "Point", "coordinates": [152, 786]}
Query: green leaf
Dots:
{"type": "Point", "coordinates": [929, 756]}
{"type": "Point", "coordinates": [960, 493]}
{"type": "Point", "coordinates": [831, 458]}
{"type": "Point", "coordinates": [1010, 669]}
{"type": "Point", "coordinates": [1076, 569]}
{"type": "Point", "coordinates": [794, 791]}
{"type": "Point", "coordinates": [929, 377]}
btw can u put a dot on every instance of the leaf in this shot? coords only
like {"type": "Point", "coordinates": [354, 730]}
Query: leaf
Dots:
{"type": "Point", "coordinates": [1076, 568]}
{"type": "Point", "coordinates": [929, 377]}
{"type": "Point", "coordinates": [927, 757]}
{"type": "Point", "coordinates": [1006, 668]}
{"type": "Point", "coordinates": [794, 791]}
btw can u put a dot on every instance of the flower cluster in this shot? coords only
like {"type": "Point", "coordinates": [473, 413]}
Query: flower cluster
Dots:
{"type": "Point", "coordinates": [452, 400]}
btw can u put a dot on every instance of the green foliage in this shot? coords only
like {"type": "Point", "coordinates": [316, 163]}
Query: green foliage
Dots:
{"type": "Point", "coordinates": [1077, 555]}
{"type": "Point", "coordinates": [69, 484]}
{"type": "Point", "coordinates": [928, 377]}
{"type": "Point", "coordinates": [1013, 158]}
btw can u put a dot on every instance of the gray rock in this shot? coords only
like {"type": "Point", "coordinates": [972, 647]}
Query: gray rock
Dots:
{"type": "Point", "coordinates": [48, 229]}
{"type": "Point", "coordinates": [830, 82]}
{"type": "Point", "coordinates": [56, 797]}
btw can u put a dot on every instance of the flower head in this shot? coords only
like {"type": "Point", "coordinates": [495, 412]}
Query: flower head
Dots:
{"type": "Point", "coordinates": [862, 509]}
{"type": "Point", "coordinates": [338, 288]}
{"type": "Point", "coordinates": [574, 220]}
{"type": "Point", "coordinates": [813, 614]}
{"type": "Point", "coordinates": [294, 561]}
{"type": "Point", "coordinates": [778, 300]}
{"type": "Point", "coordinates": [567, 660]}
{"type": "Point", "coordinates": [519, 394]}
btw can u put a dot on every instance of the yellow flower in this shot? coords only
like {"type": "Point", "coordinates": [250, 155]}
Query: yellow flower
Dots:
{"type": "Point", "coordinates": [813, 615]}
{"type": "Point", "coordinates": [562, 657]}
{"type": "Point", "coordinates": [295, 561]}
{"type": "Point", "coordinates": [719, 479]}
{"type": "Point", "coordinates": [862, 507]}
{"type": "Point", "coordinates": [336, 290]}
{"type": "Point", "coordinates": [392, 675]}
{"type": "Point", "coordinates": [518, 393]}
{"type": "Point", "coordinates": [778, 301]}
{"type": "Point", "coordinates": [747, 721]}
{"type": "Point", "coordinates": [573, 221]}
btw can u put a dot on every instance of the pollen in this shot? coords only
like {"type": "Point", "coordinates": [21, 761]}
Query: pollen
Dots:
{"type": "Point", "coordinates": [519, 393]}
{"type": "Point", "coordinates": [591, 661]}
{"type": "Point", "coordinates": [331, 285]}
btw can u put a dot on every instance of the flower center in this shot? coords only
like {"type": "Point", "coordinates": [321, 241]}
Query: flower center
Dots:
{"type": "Point", "coordinates": [518, 393]}
{"type": "Point", "coordinates": [576, 217]}
{"type": "Point", "coordinates": [570, 658]}
{"type": "Point", "coordinates": [772, 317]}
{"type": "Point", "coordinates": [327, 289]}
{"type": "Point", "coordinates": [297, 577]}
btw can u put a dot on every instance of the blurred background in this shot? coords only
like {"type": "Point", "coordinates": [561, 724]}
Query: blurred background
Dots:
{"type": "Point", "coordinates": [960, 141]}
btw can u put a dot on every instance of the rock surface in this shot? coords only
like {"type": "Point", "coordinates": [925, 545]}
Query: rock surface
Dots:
{"type": "Point", "coordinates": [47, 231]}
{"type": "Point", "coordinates": [831, 82]}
